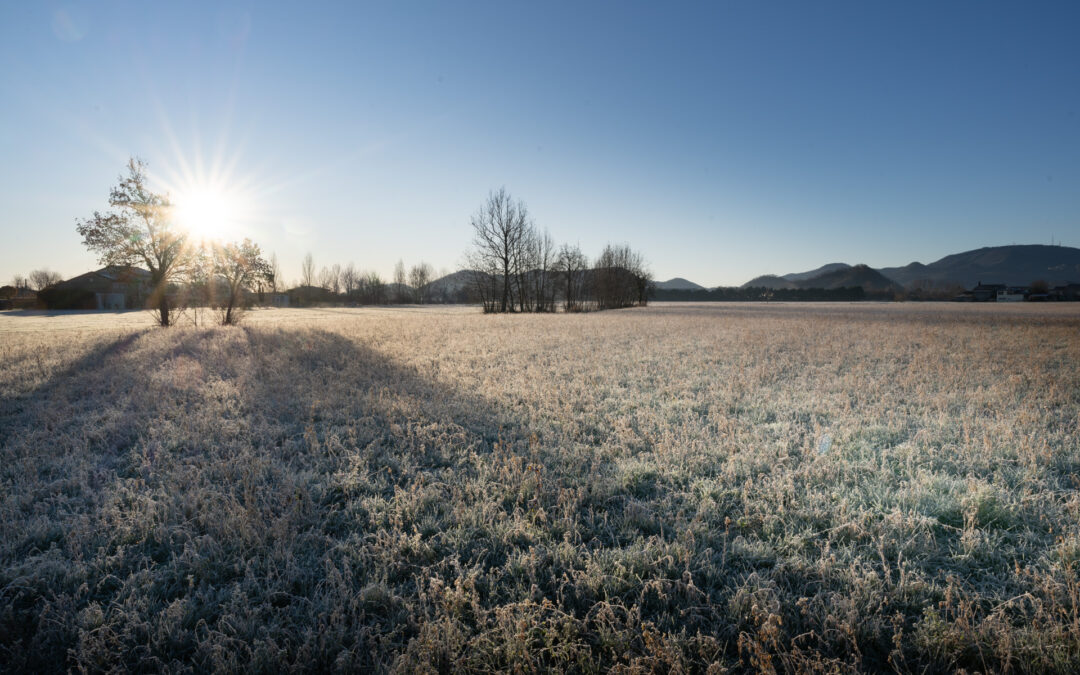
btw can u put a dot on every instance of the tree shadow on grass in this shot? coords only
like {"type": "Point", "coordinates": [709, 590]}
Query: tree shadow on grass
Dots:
{"type": "Point", "coordinates": [228, 498]}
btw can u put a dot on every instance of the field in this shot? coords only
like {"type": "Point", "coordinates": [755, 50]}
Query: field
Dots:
{"type": "Point", "coordinates": [680, 487]}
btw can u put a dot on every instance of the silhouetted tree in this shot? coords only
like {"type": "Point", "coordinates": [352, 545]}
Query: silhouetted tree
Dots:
{"type": "Point", "coordinates": [621, 278]}
{"type": "Point", "coordinates": [350, 279]}
{"type": "Point", "coordinates": [571, 265]}
{"type": "Point", "coordinates": [373, 289]}
{"type": "Point", "coordinates": [419, 278]}
{"type": "Point", "coordinates": [42, 279]}
{"type": "Point", "coordinates": [501, 229]}
{"type": "Point", "coordinates": [541, 270]}
{"type": "Point", "coordinates": [140, 231]}
{"type": "Point", "coordinates": [307, 271]}
{"type": "Point", "coordinates": [400, 283]}
{"type": "Point", "coordinates": [238, 266]}
{"type": "Point", "coordinates": [274, 278]}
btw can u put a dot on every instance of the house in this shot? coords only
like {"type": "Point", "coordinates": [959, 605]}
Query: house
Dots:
{"type": "Point", "coordinates": [306, 296]}
{"type": "Point", "coordinates": [114, 288]}
{"type": "Point", "coordinates": [986, 292]}
{"type": "Point", "coordinates": [1012, 294]}
{"type": "Point", "coordinates": [1068, 292]}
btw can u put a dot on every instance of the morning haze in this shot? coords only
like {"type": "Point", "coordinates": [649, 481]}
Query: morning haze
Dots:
{"type": "Point", "coordinates": [575, 337]}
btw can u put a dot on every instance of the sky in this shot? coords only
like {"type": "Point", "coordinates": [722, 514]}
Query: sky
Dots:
{"type": "Point", "coordinates": [723, 140]}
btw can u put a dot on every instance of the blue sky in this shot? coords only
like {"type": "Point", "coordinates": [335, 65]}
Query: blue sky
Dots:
{"type": "Point", "coordinates": [723, 140]}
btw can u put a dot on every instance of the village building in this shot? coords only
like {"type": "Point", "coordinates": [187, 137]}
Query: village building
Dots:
{"type": "Point", "coordinates": [1012, 294]}
{"type": "Point", "coordinates": [113, 288]}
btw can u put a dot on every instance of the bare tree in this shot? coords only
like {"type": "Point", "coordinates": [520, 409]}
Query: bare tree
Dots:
{"type": "Point", "coordinates": [307, 271]}
{"type": "Point", "coordinates": [200, 290]}
{"type": "Point", "coordinates": [350, 279]}
{"type": "Point", "coordinates": [373, 289]}
{"type": "Point", "coordinates": [643, 280]}
{"type": "Point", "coordinates": [400, 283]}
{"type": "Point", "coordinates": [542, 272]}
{"type": "Point", "coordinates": [621, 278]}
{"type": "Point", "coordinates": [274, 278]}
{"type": "Point", "coordinates": [419, 278]}
{"type": "Point", "coordinates": [501, 228]}
{"type": "Point", "coordinates": [42, 279]}
{"type": "Point", "coordinates": [238, 266]}
{"type": "Point", "coordinates": [335, 279]}
{"type": "Point", "coordinates": [19, 281]}
{"type": "Point", "coordinates": [572, 264]}
{"type": "Point", "coordinates": [140, 231]}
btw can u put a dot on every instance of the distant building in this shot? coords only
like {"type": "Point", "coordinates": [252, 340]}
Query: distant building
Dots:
{"type": "Point", "coordinates": [12, 297]}
{"type": "Point", "coordinates": [986, 292]}
{"type": "Point", "coordinates": [112, 288]}
{"type": "Point", "coordinates": [1012, 294]}
{"type": "Point", "coordinates": [306, 296]}
{"type": "Point", "coordinates": [1067, 292]}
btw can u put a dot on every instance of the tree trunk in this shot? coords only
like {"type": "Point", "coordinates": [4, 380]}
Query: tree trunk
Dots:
{"type": "Point", "coordinates": [163, 310]}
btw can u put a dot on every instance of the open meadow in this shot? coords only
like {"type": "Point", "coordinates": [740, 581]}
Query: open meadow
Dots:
{"type": "Point", "coordinates": [799, 487]}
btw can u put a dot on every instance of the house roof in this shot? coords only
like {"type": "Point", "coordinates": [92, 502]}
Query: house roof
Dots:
{"type": "Point", "coordinates": [110, 274]}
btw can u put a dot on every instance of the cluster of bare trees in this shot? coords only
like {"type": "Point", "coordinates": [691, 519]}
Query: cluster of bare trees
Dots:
{"type": "Point", "coordinates": [620, 278]}
{"type": "Point", "coordinates": [351, 285]}
{"type": "Point", "coordinates": [517, 268]}
{"type": "Point", "coordinates": [141, 231]}
{"type": "Point", "coordinates": [346, 283]}
{"type": "Point", "coordinates": [38, 280]}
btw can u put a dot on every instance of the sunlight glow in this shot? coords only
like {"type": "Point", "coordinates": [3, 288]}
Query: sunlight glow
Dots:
{"type": "Point", "coordinates": [208, 211]}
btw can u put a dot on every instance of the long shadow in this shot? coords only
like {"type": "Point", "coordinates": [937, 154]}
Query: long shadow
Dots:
{"type": "Point", "coordinates": [69, 385]}
{"type": "Point", "coordinates": [172, 497]}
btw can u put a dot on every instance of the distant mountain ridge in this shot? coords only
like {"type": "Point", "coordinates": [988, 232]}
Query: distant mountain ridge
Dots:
{"type": "Point", "coordinates": [678, 284]}
{"type": "Point", "coordinates": [863, 276]}
{"type": "Point", "coordinates": [769, 281]}
{"type": "Point", "coordinates": [839, 275]}
{"type": "Point", "coordinates": [1015, 265]}
{"type": "Point", "coordinates": [824, 269]}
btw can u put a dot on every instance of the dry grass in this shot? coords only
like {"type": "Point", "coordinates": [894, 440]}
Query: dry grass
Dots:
{"type": "Point", "coordinates": [790, 487]}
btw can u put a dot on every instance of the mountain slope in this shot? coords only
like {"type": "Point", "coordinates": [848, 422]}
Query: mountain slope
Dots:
{"type": "Point", "coordinates": [824, 269]}
{"type": "Point", "coordinates": [769, 281]}
{"type": "Point", "coordinates": [678, 284]}
{"type": "Point", "coordinates": [863, 276]}
{"type": "Point", "coordinates": [1014, 265]}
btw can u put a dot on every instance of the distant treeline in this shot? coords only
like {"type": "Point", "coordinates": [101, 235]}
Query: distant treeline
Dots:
{"type": "Point", "coordinates": [735, 293]}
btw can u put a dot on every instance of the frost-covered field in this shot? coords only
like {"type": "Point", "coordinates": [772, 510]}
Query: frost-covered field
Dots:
{"type": "Point", "coordinates": [798, 487]}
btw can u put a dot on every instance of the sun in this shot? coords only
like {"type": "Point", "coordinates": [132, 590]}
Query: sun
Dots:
{"type": "Point", "coordinates": [207, 211]}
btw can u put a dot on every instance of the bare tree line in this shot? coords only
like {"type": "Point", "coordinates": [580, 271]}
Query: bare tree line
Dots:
{"type": "Point", "coordinates": [351, 285]}
{"type": "Point", "coordinates": [37, 280]}
{"type": "Point", "coordinates": [516, 267]}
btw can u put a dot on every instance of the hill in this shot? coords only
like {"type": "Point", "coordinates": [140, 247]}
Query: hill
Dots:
{"type": "Point", "coordinates": [862, 276]}
{"type": "Point", "coordinates": [452, 283]}
{"type": "Point", "coordinates": [678, 284]}
{"type": "Point", "coordinates": [1014, 265]}
{"type": "Point", "coordinates": [824, 269]}
{"type": "Point", "coordinates": [838, 275]}
{"type": "Point", "coordinates": [769, 281]}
